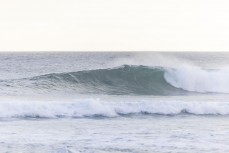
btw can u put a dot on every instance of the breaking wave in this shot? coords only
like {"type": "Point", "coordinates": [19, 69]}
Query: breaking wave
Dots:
{"type": "Point", "coordinates": [97, 108]}
{"type": "Point", "coordinates": [127, 80]}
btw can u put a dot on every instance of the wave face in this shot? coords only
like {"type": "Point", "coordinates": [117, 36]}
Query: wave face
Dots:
{"type": "Point", "coordinates": [127, 80]}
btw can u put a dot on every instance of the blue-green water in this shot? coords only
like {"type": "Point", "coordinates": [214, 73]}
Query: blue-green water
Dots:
{"type": "Point", "coordinates": [114, 102]}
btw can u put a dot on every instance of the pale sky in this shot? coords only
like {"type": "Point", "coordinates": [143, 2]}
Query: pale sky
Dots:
{"type": "Point", "coordinates": [114, 25]}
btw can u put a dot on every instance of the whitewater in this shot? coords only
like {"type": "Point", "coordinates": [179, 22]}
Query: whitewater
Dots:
{"type": "Point", "coordinates": [114, 102]}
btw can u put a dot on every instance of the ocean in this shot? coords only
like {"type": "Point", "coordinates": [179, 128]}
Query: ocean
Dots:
{"type": "Point", "coordinates": [118, 102]}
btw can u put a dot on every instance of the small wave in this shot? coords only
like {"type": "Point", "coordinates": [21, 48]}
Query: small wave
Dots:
{"type": "Point", "coordinates": [97, 108]}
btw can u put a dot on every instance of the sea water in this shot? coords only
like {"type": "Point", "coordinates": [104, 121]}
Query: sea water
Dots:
{"type": "Point", "coordinates": [140, 102]}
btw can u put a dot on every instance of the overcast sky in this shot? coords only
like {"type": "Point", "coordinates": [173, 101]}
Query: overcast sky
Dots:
{"type": "Point", "coordinates": [110, 25]}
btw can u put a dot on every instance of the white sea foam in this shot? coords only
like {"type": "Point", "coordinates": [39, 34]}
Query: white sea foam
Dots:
{"type": "Point", "coordinates": [192, 78]}
{"type": "Point", "coordinates": [95, 107]}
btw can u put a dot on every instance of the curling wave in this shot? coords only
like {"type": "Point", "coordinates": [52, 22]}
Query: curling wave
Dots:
{"type": "Point", "coordinates": [127, 80]}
